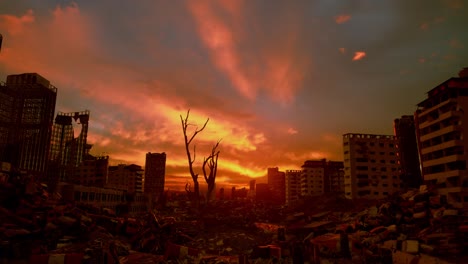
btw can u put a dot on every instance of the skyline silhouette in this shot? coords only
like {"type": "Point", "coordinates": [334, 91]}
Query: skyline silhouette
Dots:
{"type": "Point", "coordinates": [281, 82]}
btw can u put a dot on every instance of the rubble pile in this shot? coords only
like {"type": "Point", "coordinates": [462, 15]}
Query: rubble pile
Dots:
{"type": "Point", "coordinates": [416, 226]}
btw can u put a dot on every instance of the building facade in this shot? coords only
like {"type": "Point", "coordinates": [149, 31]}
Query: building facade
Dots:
{"type": "Point", "coordinates": [277, 184]}
{"type": "Point", "coordinates": [293, 186]}
{"type": "Point", "coordinates": [67, 151]}
{"type": "Point", "coordinates": [127, 178]}
{"type": "Point", "coordinates": [443, 141]}
{"type": "Point", "coordinates": [155, 173]}
{"type": "Point", "coordinates": [321, 176]}
{"type": "Point", "coordinates": [371, 166]}
{"type": "Point", "coordinates": [407, 146]}
{"type": "Point", "coordinates": [93, 171]}
{"type": "Point", "coordinates": [26, 116]}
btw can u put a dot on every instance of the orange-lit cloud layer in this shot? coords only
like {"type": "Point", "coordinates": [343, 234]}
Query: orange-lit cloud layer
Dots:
{"type": "Point", "coordinates": [267, 75]}
{"type": "Point", "coordinates": [359, 55]}
{"type": "Point", "coordinates": [340, 19]}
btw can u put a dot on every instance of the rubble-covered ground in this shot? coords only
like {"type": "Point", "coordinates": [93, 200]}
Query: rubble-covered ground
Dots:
{"type": "Point", "coordinates": [415, 226]}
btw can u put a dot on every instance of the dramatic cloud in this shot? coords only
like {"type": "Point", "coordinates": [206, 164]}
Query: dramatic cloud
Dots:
{"type": "Point", "coordinates": [359, 55]}
{"type": "Point", "coordinates": [271, 77]}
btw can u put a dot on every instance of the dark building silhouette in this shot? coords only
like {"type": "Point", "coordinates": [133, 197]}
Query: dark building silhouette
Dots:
{"type": "Point", "coordinates": [155, 171]}
{"type": "Point", "coordinates": [128, 178]}
{"type": "Point", "coordinates": [262, 192]}
{"type": "Point", "coordinates": [27, 105]}
{"type": "Point", "coordinates": [93, 171]}
{"type": "Point", "coordinates": [67, 152]}
{"type": "Point", "coordinates": [277, 184]}
{"type": "Point", "coordinates": [407, 147]}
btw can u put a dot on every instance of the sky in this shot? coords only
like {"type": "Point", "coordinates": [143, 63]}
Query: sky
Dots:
{"type": "Point", "coordinates": [280, 81]}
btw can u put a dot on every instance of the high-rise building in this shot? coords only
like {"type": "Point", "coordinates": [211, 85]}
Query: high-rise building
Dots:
{"type": "Point", "coordinates": [442, 128]}
{"type": "Point", "coordinates": [405, 134]}
{"type": "Point", "coordinates": [293, 186]}
{"type": "Point", "coordinates": [371, 166]}
{"type": "Point", "coordinates": [128, 178]}
{"type": "Point", "coordinates": [155, 171]}
{"type": "Point", "coordinates": [27, 105]}
{"type": "Point", "coordinates": [276, 183]}
{"type": "Point", "coordinates": [321, 176]}
{"type": "Point", "coordinates": [67, 151]}
{"type": "Point", "coordinates": [334, 177]}
{"type": "Point", "coordinates": [313, 174]}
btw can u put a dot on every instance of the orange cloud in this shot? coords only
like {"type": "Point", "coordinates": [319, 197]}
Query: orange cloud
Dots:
{"type": "Point", "coordinates": [342, 50]}
{"type": "Point", "coordinates": [15, 25]}
{"type": "Point", "coordinates": [292, 131]}
{"type": "Point", "coordinates": [276, 69]}
{"type": "Point", "coordinates": [359, 55]}
{"type": "Point", "coordinates": [220, 40]}
{"type": "Point", "coordinates": [340, 19]}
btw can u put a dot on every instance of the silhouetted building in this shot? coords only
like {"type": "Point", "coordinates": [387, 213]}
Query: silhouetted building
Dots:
{"type": "Point", "coordinates": [27, 105]}
{"type": "Point", "coordinates": [262, 192]}
{"type": "Point", "coordinates": [155, 173]}
{"type": "Point", "coordinates": [252, 188]}
{"type": "Point", "coordinates": [93, 171]}
{"type": "Point", "coordinates": [371, 166]}
{"type": "Point", "coordinates": [128, 178]}
{"type": "Point", "coordinates": [405, 133]}
{"type": "Point", "coordinates": [221, 193]}
{"type": "Point", "coordinates": [277, 185]}
{"type": "Point", "coordinates": [334, 177]}
{"type": "Point", "coordinates": [293, 185]}
{"type": "Point", "coordinates": [442, 128]}
{"type": "Point", "coordinates": [67, 151]}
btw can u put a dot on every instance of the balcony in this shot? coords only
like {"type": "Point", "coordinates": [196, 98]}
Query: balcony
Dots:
{"type": "Point", "coordinates": [429, 110]}
{"type": "Point", "coordinates": [440, 132]}
{"type": "Point", "coordinates": [444, 145]}
{"type": "Point", "coordinates": [443, 160]}
{"type": "Point", "coordinates": [442, 176]}
{"type": "Point", "coordinates": [441, 117]}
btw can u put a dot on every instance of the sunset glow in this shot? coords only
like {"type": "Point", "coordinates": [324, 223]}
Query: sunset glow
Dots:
{"type": "Point", "coordinates": [280, 82]}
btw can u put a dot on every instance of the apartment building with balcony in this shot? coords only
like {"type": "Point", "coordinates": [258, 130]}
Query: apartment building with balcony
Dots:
{"type": "Point", "coordinates": [443, 144]}
{"type": "Point", "coordinates": [371, 168]}
{"type": "Point", "coordinates": [321, 176]}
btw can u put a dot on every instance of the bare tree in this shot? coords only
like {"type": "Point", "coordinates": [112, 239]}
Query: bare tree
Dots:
{"type": "Point", "coordinates": [212, 162]}
{"type": "Point", "coordinates": [195, 194]}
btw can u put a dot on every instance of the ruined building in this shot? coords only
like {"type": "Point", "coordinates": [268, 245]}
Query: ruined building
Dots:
{"type": "Point", "coordinates": [26, 116]}
{"type": "Point", "coordinates": [442, 128]}
{"type": "Point", "coordinates": [405, 134]}
{"type": "Point", "coordinates": [371, 166]}
{"type": "Point", "coordinates": [68, 151]}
